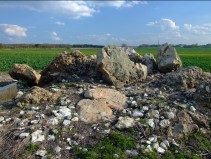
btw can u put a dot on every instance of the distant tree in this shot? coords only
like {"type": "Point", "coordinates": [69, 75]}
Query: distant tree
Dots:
{"type": "Point", "coordinates": [1, 46]}
{"type": "Point", "coordinates": [124, 45]}
{"type": "Point", "coordinates": [37, 45]}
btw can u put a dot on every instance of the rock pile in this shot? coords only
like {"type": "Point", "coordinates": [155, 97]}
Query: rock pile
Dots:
{"type": "Point", "coordinates": [36, 96]}
{"type": "Point", "coordinates": [186, 78]}
{"type": "Point", "coordinates": [69, 67]}
{"type": "Point", "coordinates": [116, 65]}
{"type": "Point", "coordinates": [62, 119]}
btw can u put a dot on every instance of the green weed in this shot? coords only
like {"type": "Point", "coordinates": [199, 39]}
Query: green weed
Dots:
{"type": "Point", "coordinates": [30, 149]}
{"type": "Point", "coordinates": [115, 143]}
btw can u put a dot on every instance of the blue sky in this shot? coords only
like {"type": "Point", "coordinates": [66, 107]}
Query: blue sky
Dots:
{"type": "Point", "coordinates": [105, 22]}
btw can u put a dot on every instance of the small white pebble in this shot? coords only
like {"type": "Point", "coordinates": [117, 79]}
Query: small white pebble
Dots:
{"type": "Point", "coordinates": [23, 135]}
{"type": "Point", "coordinates": [34, 121]}
{"type": "Point", "coordinates": [74, 119]}
{"type": "Point", "coordinates": [161, 150]}
{"type": "Point", "coordinates": [51, 138]}
{"type": "Point", "coordinates": [22, 112]}
{"type": "Point", "coordinates": [192, 108]}
{"type": "Point", "coordinates": [58, 149]}
{"type": "Point", "coordinates": [1, 118]}
{"type": "Point", "coordinates": [66, 122]}
{"type": "Point", "coordinates": [8, 120]}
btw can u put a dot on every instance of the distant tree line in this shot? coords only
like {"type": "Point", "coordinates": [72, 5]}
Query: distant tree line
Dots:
{"type": "Point", "coordinates": [178, 45]}
{"type": "Point", "coordinates": [69, 46]}
{"type": "Point", "coordinates": [66, 46]}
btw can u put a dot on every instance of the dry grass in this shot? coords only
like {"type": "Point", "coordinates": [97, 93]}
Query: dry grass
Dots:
{"type": "Point", "coordinates": [11, 146]}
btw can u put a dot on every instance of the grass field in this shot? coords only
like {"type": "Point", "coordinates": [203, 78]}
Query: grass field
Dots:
{"type": "Point", "coordinates": [39, 58]}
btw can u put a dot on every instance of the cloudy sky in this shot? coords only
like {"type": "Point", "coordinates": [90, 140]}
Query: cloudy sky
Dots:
{"type": "Point", "coordinates": [105, 22]}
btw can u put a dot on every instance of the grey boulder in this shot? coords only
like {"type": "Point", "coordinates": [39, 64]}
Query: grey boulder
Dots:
{"type": "Point", "coordinates": [168, 59]}
{"type": "Point", "coordinates": [117, 68]}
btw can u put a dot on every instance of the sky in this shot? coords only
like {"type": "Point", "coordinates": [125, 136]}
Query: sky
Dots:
{"type": "Point", "coordinates": [105, 22]}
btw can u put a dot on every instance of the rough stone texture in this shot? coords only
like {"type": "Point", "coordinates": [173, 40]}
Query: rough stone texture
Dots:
{"type": "Point", "coordinates": [68, 66]}
{"type": "Point", "coordinates": [168, 59]}
{"type": "Point", "coordinates": [125, 122]}
{"type": "Point", "coordinates": [91, 111]}
{"type": "Point", "coordinates": [187, 123]}
{"type": "Point", "coordinates": [203, 94]}
{"type": "Point", "coordinates": [132, 54]}
{"type": "Point", "coordinates": [25, 73]}
{"type": "Point", "coordinates": [190, 76]}
{"type": "Point", "coordinates": [199, 119]}
{"type": "Point", "coordinates": [186, 78]}
{"type": "Point", "coordinates": [63, 112]}
{"type": "Point", "coordinates": [37, 136]}
{"type": "Point", "coordinates": [150, 62]}
{"type": "Point", "coordinates": [37, 95]}
{"type": "Point", "coordinates": [117, 68]}
{"type": "Point", "coordinates": [115, 99]}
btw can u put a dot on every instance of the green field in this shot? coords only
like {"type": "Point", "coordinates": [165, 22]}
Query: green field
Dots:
{"type": "Point", "coordinates": [39, 58]}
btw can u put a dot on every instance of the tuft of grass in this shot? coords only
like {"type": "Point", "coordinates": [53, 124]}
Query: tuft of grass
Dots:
{"type": "Point", "coordinates": [30, 149]}
{"type": "Point", "coordinates": [58, 133]}
{"type": "Point", "coordinates": [115, 143]}
{"type": "Point", "coordinates": [194, 146]}
{"type": "Point", "coordinates": [200, 141]}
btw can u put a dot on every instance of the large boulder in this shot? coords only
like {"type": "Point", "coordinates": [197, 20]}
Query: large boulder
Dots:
{"type": "Point", "coordinates": [37, 96]}
{"type": "Point", "coordinates": [117, 68]}
{"type": "Point", "coordinates": [70, 66]}
{"type": "Point", "coordinates": [116, 99]}
{"type": "Point", "coordinates": [91, 111]}
{"type": "Point", "coordinates": [103, 100]}
{"type": "Point", "coordinates": [25, 73]}
{"type": "Point", "coordinates": [168, 59]}
{"type": "Point", "coordinates": [203, 94]}
{"type": "Point", "coordinates": [150, 62]}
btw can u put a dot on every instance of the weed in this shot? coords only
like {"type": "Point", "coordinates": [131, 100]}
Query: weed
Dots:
{"type": "Point", "coordinates": [58, 133]}
{"type": "Point", "coordinates": [30, 149]}
{"type": "Point", "coordinates": [200, 141]}
{"type": "Point", "coordinates": [115, 143]}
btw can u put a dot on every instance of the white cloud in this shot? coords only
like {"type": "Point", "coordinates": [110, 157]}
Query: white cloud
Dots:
{"type": "Point", "coordinates": [72, 9]}
{"type": "Point", "coordinates": [105, 39]}
{"type": "Point", "coordinates": [178, 34]}
{"type": "Point", "coordinates": [164, 24]}
{"type": "Point", "coordinates": [14, 30]}
{"type": "Point", "coordinates": [60, 23]}
{"type": "Point", "coordinates": [54, 36]}
{"type": "Point", "coordinates": [54, 33]}
{"type": "Point", "coordinates": [198, 29]}
{"type": "Point", "coordinates": [117, 3]}
{"type": "Point", "coordinates": [169, 30]}
{"type": "Point", "coordinates": [169, 23]}
{"type": "Point", "coordinates": [152, 23]}
{"type": "Point", "coordinates": [108, 34]}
